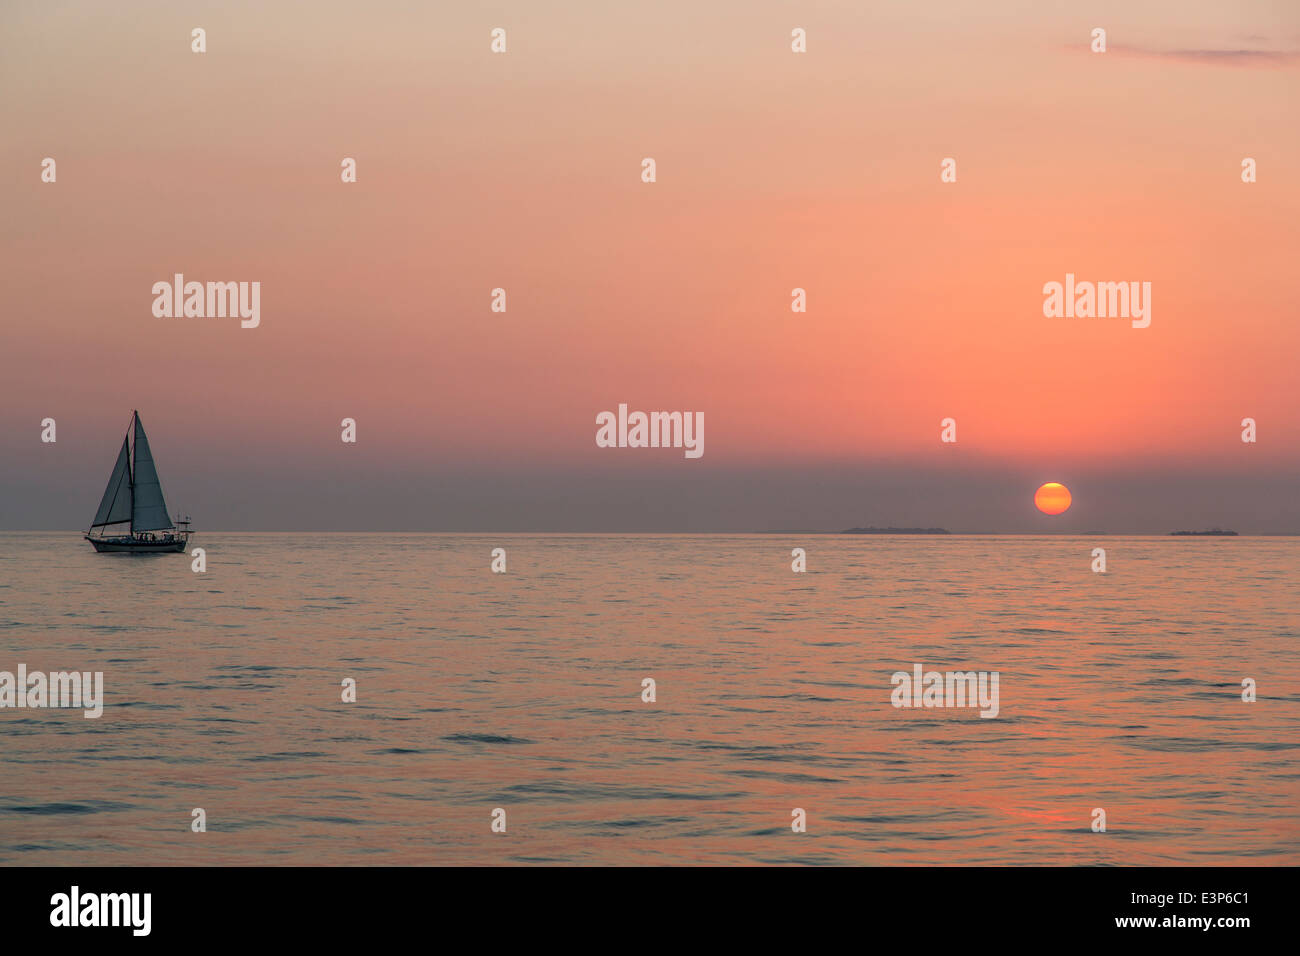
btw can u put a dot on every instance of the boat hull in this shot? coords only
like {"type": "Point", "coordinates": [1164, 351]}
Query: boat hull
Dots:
{"type": "Point", "coordinates": [135, 546]}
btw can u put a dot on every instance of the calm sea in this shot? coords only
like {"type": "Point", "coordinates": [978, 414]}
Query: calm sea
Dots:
{"type": "Point", "coordinates": [1120, 691]}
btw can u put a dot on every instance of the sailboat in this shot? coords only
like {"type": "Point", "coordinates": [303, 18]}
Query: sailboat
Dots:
{"type": "Point", "coordinates": [134, 499]}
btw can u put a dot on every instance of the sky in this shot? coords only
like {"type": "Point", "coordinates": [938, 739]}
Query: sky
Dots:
{"type": "Point", "coordinates": [775, 171]}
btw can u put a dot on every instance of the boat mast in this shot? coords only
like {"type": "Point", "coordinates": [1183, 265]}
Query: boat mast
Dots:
{"type": "Point", "coordinates": [130, 466]}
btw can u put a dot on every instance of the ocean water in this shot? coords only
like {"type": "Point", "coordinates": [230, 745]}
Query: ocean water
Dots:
{"type": "Point", "coordinates": [522, 691]}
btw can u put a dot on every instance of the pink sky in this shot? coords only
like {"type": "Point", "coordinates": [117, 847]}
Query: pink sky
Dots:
{"type": "Point", "coordinates": [775, 170]}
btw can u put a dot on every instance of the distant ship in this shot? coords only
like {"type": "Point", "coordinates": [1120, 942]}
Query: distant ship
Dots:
{"type": "Point", "coordinates": [1212, 532]}
{"type": "Point", "coordinates": [134, 498]}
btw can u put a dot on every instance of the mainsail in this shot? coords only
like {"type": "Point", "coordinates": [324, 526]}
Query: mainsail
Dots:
{"type": "Point", "coordinates": [115, 507]}
{"type": "Point", "coordinates": [149, 511]}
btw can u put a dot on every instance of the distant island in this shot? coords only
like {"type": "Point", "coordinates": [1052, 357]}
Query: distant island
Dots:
{"type": "Point", "coordinates": [896, 531]}
{"type": "Point", "coordinates": [1213, 532]}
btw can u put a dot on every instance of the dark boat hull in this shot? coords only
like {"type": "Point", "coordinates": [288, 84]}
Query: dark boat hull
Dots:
{"type": "Point", "coordinates": [135, 546]}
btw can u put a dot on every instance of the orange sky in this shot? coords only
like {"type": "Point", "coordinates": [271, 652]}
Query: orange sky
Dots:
{"type": "Point", "coordinates": [775, 170]}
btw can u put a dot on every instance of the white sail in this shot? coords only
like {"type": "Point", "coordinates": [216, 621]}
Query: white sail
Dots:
{"type": "Point", "coordinates": [150, 510]}
{"type": "Point", "coordinates": [115, 507]}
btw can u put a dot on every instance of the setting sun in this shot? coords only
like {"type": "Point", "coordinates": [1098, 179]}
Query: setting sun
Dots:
{"type": "Point", "coordinates": [1052, 498]}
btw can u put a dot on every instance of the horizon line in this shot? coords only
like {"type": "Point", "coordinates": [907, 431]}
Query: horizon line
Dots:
{"type": "Point", "coordinates": [847, 534]}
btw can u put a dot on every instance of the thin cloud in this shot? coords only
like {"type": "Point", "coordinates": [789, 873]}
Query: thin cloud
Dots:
{"type": "Point", "coordinates": [1261, 59]}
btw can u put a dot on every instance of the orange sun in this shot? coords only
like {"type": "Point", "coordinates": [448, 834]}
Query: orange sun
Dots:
{"type": "Point", "coordinates": [1052, 498]}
